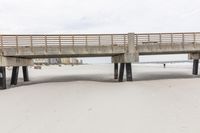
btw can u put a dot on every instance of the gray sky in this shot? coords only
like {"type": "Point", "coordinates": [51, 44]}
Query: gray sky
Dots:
{"type": "Point", "coordinates": [98, 16]}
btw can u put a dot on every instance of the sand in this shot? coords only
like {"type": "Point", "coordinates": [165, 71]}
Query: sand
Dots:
{"type": "Point", "coordinates": [86, 99]}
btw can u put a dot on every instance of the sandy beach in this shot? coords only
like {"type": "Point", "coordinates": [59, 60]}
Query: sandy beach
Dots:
{"type": "Point", "coordinates": [86, 99]}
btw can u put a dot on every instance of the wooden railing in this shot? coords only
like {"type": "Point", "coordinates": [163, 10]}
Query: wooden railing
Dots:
{"type": "Point", "coordinates": [167, 38]}
{"type": "Point", "coordinates": [99, 40]}
{"type": "Point", "coordinates": [63, 40]}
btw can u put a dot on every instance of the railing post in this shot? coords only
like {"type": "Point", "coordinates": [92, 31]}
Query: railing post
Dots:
{"type": "Point", "coordinates": [160, 40]}
{"type": "Point", "coordinates": [112, 42]}
{"type": "Point", "coordinates": [45, 37]}
{"type": "Point", "coordinates": [31, 40]}
{"type": "Point", "coordinates": [183, 40]}
{"type": "Point", "coordinates": [99, 41]}
{"type": "Point", "coordinates": [73, 42]}
{"type": "Point", "coordinates": [17, 47]}
{"type": "Point", "coordinates": [172, 39]}
{"type": "Point", "coordinates": [148, 37]}
{"type": "Point", "coordinates": [1, 41]}
{"type": "Point", "coordinates": [124, 42]}
{"type": "Point", "coordinates": [136, 37]}
{"type": "Point", "coordinates": [59, 38]}
{"type": "Point", "coordinates": [86, 42]}
{"type": "Point", "coordinates": [194, 37]}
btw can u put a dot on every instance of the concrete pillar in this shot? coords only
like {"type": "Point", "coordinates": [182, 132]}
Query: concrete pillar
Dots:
{"type": "Point", "coordinates": [25, 73]}
{"type": "Point", "coordinates": [195, 66]}
{"type": "Point", "coordinates": [121, 72]}
{"type": "Point", "coordinates": [2, 77]}
{"type": "Point", "coordinates": [14, 77]}
{"type": "Point", "coordinates": [131, 43]}
{"type": "Point", "coordinates": [129, 72]}
{"type": "Point", "coordinates": [115, 70]}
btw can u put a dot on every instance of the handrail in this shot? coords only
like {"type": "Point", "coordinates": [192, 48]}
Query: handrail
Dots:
{"type": "Point", "coordinates": [57, 34]}
{"type": "Point", "coordinates": [100, 40]}
{"type": "Point", "coordinates": [59, 40]}
{"type": "Point", "coordinates": [168, 33]}
{"type": "Point", "coordinates": [168, 38]}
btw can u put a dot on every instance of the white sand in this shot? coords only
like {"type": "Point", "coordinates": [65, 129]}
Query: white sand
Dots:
{"type": "Point", "coordinates": [86, 99]}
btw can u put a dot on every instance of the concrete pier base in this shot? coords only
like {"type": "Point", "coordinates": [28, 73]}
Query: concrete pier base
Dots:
{"type": "Point", "coordinates": [125, 58]}
{"type": "Point", "coordinates": [129, 72]}
{"type": "Point", "coordinates": [115, 70]}
{"type": "Point", "coordinates": [25, 73]}
{"type": "Point", "coordinates": [2, 77]}
{"type": "Point", "coordinates": [14, 76]}
{"type": "Point", "coordinates": [121, 72]}
{"type": "Point", "coordinates": [195, 66]}
{"type": "Point", "coordinates": [12, 61]}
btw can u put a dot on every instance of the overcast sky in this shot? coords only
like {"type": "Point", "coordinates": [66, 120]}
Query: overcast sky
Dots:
{"type": "Point", "coordinates": [98, 16]}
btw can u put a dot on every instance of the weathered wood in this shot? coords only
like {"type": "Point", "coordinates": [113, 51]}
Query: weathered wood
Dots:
{"type": "Point", "coordinates": [2, 78]}
{"type": "Point", "coordinates": [121, 72]}
{"type": "Point", "coordinates": [195, 66]}
{"type": "Point", "coordinates": [14, 76]}
{"type": "Point", "coordinates": [25, 73]}
{"type": "Point", "coordinates": [115, 70]}
{"type": "Point", "coordinates": [129, 72]}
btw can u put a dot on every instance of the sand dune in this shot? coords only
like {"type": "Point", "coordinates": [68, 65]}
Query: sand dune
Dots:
{"type": "Point", "coordinates": [86, 99]}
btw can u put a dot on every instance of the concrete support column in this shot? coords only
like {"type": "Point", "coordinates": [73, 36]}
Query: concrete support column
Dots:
{"type": "Point", "coordinates": [129, 72]}
{"type": "Point", "coordinates": [2, 77]}
{"type": "Point", "coordinates": [121, 72]}
{"type": "Point", "coordinates": [130, 54]}
{"type": "Point", "coordinates": [131, 43]}
{"type": "Point", "coordinates": [25, 73]}
{"type": "Point", "coordinates": [14, 77]}
{"type": "Point", "coordinates": [195, 66]}
{"type": "Point", "coordinates": [115, 70]}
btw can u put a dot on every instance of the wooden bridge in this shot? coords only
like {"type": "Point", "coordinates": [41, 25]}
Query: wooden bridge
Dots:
{"type": "Point", "coordinates": [19, 50]}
